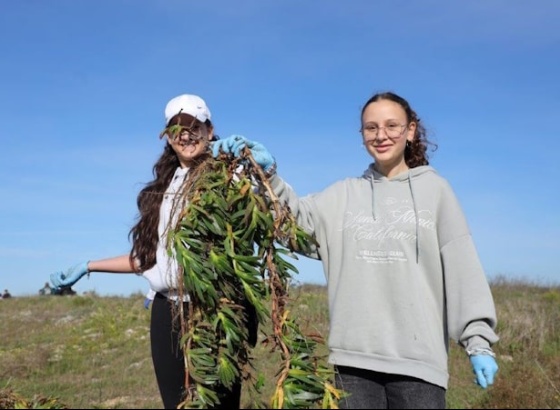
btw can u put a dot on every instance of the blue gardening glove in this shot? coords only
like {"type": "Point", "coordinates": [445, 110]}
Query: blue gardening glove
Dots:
{"type": "Point", "coordinates": [235, 143]}
{"type": "Point", "coordinates": [70, 277]}
{"type": "Point", "coordinates": [147, 302]}
{"type": "Point", "coordinates": [484, 367]}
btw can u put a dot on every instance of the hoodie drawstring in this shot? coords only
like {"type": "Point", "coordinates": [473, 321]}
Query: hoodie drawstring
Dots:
{"type": "Point", "coordinates": [371, 181]}
{"type": "Point", "coordinates": [370, 174]}
{"type": "Point", "coordinates": [415, 215]}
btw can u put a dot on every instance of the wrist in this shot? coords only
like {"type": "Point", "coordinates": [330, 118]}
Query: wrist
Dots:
{"type": "Point", "coordinates": [480, 351]}
{"type": "Point", "coordinates": [87, 269]}
{"type": "Point", "coordinates": [271, 170]}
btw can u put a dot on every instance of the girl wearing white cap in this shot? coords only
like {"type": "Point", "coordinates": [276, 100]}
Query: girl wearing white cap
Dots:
{"type": "Point", "coordinates": [149, 257]}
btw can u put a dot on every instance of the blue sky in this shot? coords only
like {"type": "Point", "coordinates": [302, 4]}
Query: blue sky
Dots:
{"type": "Point", "coordinates": [83, 85]}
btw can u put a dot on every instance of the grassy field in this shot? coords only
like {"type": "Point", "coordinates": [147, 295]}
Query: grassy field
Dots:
{"type": "Point", "coordinates": [93, 352]}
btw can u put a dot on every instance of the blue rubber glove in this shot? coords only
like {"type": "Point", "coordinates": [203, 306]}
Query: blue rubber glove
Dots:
{"type": "Point", "coordinates": [147, 302]}
{"type": "Point", "coordinates": [235, 143]}
{"type": "Point", "coordinates": [70, 277]}
{"type": "Point", "coordinates": [484, 367]}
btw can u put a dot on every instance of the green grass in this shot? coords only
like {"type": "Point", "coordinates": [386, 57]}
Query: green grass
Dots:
{"type": "Point", "coordinates": [94, 352]}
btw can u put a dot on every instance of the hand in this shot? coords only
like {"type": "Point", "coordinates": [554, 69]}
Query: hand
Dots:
{"type": "Point", "coordinates": [147, 302]}
{"type": "Point", "coordinates": [485, 368]}
{"type": "Point", "coordinates": [70, 277]}
{"type": "Point", "coordinates": [234, 145]}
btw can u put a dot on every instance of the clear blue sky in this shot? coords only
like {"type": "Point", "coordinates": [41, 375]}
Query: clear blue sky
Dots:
{"type": "Point", "coordinates": [83, 85]}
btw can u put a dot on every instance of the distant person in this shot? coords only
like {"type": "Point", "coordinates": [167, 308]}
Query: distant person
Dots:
{"type": "Point", "coordinates": [159, 207]}
{"type": "Point", "coordinates": [402, 270]}
{"type": "Point", "coordinates": [64, 291]}
{"type": "Point", "coordinates": [46, 289]}
{"type": "Point", "coordinates": [6, 294]}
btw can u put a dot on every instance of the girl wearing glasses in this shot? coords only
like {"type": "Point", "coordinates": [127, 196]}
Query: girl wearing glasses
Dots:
{"type": "Point", "coordinates": [403, 274]}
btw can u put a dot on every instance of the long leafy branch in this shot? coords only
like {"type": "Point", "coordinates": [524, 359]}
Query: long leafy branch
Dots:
{"type": "Point", "coordinates": [230, 242]}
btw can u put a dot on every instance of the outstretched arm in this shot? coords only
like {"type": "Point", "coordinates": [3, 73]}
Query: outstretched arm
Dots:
{"type": "Point", "coordinates": [117, 264]}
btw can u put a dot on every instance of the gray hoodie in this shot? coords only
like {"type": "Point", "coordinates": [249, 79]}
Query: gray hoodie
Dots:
{"type": "Point", "coordinates": [402, 270]}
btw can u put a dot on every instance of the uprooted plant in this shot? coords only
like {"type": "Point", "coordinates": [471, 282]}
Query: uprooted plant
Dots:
{"type": "Point", "coordinates": [230, 241]}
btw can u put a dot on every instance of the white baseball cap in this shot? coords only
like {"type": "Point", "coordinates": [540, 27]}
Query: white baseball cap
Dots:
{"type": "Point", "coordinates": [187, 104]}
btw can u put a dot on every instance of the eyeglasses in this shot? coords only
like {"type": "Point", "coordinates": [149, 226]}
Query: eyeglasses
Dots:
{"type": "Point", "coordinates": [391, 130]}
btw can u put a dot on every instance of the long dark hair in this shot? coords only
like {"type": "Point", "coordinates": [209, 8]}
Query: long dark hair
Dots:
{"type": "Point", "coordinates": [144, 234]}
{"type": "Point", "coordinates": [415, 153]}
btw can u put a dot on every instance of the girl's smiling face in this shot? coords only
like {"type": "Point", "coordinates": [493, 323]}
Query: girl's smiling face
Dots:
{"type": "Point", "coordinates": [385, 131]}
{"type": "Point", "coordinates": [190, 138]}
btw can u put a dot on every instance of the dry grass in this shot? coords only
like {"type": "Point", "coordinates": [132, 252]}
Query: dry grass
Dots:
{"type": "Point", "coordinates": [93, 352]}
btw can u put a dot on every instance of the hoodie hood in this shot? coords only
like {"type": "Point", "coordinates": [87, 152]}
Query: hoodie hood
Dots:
{"type": "Point", "coordinates": [412, 173]}
{"type": "Point", "coordinates": [407, 177]}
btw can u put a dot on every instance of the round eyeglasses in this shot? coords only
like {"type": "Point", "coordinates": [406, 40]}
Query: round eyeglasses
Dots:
{"type": "Point", "coordinates": [391, 130]}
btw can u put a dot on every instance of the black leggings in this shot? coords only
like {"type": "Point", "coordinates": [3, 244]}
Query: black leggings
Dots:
{"type": "Point", "coordinates": [167, 356]}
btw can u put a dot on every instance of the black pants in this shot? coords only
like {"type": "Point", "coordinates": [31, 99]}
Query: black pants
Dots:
{"type": "Point", "coordinates": [373, 390]}
{"type": "Point", "coordinates": [168, 358]}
